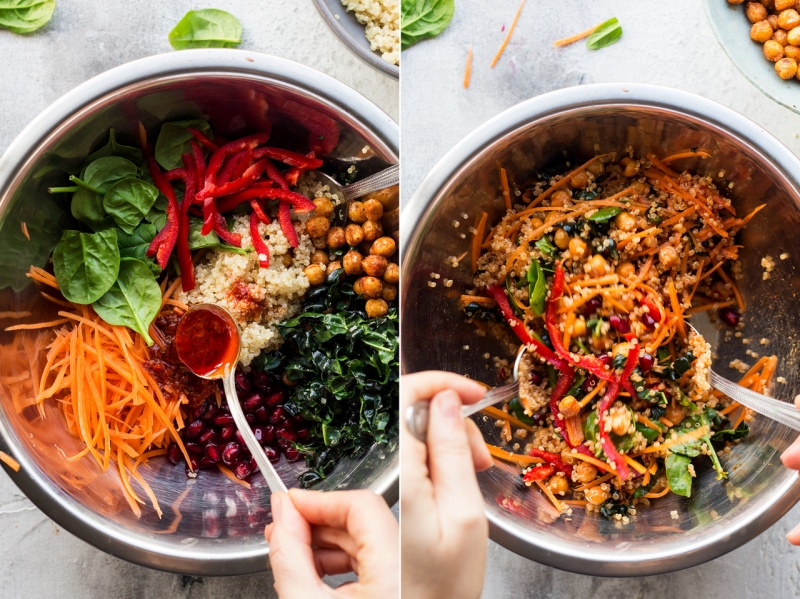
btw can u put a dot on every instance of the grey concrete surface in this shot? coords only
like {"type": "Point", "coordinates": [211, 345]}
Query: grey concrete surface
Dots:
{"type": "Point", "coordinates": [665, 43]}
{"type": "Point", "coordinates": [85, 38]}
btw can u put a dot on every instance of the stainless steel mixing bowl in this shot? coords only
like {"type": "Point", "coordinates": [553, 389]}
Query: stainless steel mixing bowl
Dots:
{"type": "Point", "coordinates": [221, 527]}
{"type": "Point", "coordinates": [578, 123]}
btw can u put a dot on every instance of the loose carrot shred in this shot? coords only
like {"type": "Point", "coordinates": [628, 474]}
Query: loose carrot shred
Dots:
{"type": "Point", "coordinates": [476, 240]}
{"type": "Point", "coordinates": [25, 232]}
{"type": "Point", "coordinates": [508, 35]}
{"type": "Point", "coordinates": [9, 461]}
{"type": "Point", "coordinates": [575, 38]}
{"type": "Point", "coordinates": [468, 69]}
{"type": "Point", "coordinates": [506, 190]}
{"type": "Point", "coordinates": [512, 457]}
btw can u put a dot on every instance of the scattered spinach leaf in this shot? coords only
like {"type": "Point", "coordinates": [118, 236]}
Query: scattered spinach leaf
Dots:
{"type": "Point", "coordinates": [516, 409]}
{"type": "Point", "coordinates": [206, 28]}
{"type": "Point", "coordinates": [678, 477]}
{"type": "Point", "coordinates": [25, 16]}
{"type": "Point", "coordinates": [86, 264]}
{"type": "Point", "coordinates": [679, 367]}
{"type": "Point", "coordinates": [128, 202]}
{"type": "Point", "coordinates": [607, 33]}
{"type": "Point", "coordinates": [423, 19]}
{"type": "Point", "coordinates": [537, 288]}
{"type": "Point", "coordinates": [605, 214]}
{"type": "Point", "coordinates": [595, 325]}
{"type": "Point", "coordinates": [729, 435]}
{"type": "Point", "coordinates": [547, 248]}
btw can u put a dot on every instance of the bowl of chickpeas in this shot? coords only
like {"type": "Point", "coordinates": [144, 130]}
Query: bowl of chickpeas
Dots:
{"type": "Point", "coordinates": [762, 39]}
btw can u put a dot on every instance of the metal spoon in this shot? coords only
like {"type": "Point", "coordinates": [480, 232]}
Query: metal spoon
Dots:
{"type": "Point", "coordinates": [227, 372]}
{"type": "Point", "coordinates": [380, 180]}
{"type": "Point", "coordinates": [772, 408]}
{"type": "Point", "coordinates": [417, 413]}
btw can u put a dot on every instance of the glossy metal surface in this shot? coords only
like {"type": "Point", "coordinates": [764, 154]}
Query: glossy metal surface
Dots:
{"type": "Point", "coordinates": [580, 122]}
{"type": "Point", "coordinates": [221, 526]}
{"type": "Point", "coordinates": [347, 28]}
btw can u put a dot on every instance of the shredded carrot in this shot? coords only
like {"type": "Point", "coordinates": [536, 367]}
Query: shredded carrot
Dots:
{"type": "Point", "coordinates": [647, 422]}
{"type": "Point", "coordinates": [506, 189]}
{"type": "Point", "coordinates": [634, 464]}
{"type": "Point", "coordinates": [229, 474]}
{"type": "Point", "coordinates": [476, 240]}
{"type": "Point", "coordinates": [478, 299]}
{"type": "Point", "coordinates": [659, 494]}
{"type": "Point", "coordinates": [596, 481]}
{"type": "Point", "coordinates": [9, 461]}
{"type": "Point", "coordinates": [591, 395]}
{"type": "Point", "coordinates": [468, 69]}
{"type": "Point", "coordinates": [575, 38]}
{"type": "Point", "coordinates": [546, 490]}
{"type": "Point", "coordinates": [173, 527]}
{"type": "Point", "coordinates": [685, 154]}
{"type": "Point", "coordinates": [594, 461]}
{"type": "Point", "coordinates": [711, 306]}
{"type": "Point", "coordinates": [512, 457]}
{"type": "Point", "coordinates": [736, 294]}
{"type": "Point", "coordinates": [492, 411]}
{"type": "Point", "coordinates": [25, 232]}
{"type": "Point", "coordinates": [508, 35]}
{"type": "Point", "coordinates": [38, 325]}
{"type": "Point", "coordinates": [15, 314]}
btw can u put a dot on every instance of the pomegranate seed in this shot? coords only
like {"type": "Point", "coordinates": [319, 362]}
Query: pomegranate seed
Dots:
{"type": "Point", "coordinates": [223, 420]}
{"type": "Point", "coordinates": [239, 438]}
{"type": "Point", "coordinates": [302, 434]}
{"type": "Point", "coordinates": [298, 420]}
{"type": "Point", "coordinates": [210, 413]}
{"type": "Point", "coordinates": [272, 454]}
{"type": "Point", "coordinates": [619, 324]}
{"type": "Point", "coordinates": [242, 470]}
{"type": "Point", "coordinates": [291, 454]}
{"type": "Point", "coordinates": [212, 453]}
{"type": "Point", "coordinates": [589, 384]}
{"type": "Point", "coordinates": [242, 382]}
{"type": "Point", "coordinates": [193, 449]}
{"type": "Point", "coordinates": [206, 463]}
{"type": "Point", "coordinates": [206, 437]}
{"type": "Point", "coordinates": [194, 465]}
{"type": "Point", "coordinates": [278, 415]}
{"type": "Point", "coordinates": [198, 412]}
{"type": "Point", "coordinates": [251, 403]}
{"type": "Point", "coordinates": [605, 359]}
{"type": "Point", "coordinates": [253, 465]}
{"type": "Point", "coordinates": [251, 420]}
{"type": "Point", "coordinates": [276, 399]}
{"type": "Point", "coordinates": [227, 432]}
{"type": "Point", "coordinates": [286, 437]}
{"type": "Point", "coordinates": [195, 428]}
{"type": "Point", "coordinates": [646, 361]}
{"type": "Point", "coordinates": [648, 321]}
{"type": "Point", "coordinates": [536, 377]}
{"type": "Point", "coordinates": [230, 453]}
{"type": "Point", "coordinates": [730, 316]}
{"type": "Point", "coordinates": [269, 434]}
{"type": "Point", "coordinates": [174, 453]}
{"type": "Point", "coordinates": [260, 380]}
{"type": "Point", "coordinates": [262, 415]}
{"type": "Point", "coordinates": [592, 306]}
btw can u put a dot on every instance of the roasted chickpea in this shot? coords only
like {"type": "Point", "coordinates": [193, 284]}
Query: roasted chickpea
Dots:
{"type": "Point", "coordinates": [317, 226]}
{"type": "Point", "coordinates": [625, 221]}
{"type": "Point", "coordinates": [352, 262]}
{"type": "Point", "coordinates": [584, 473]}
{"type": "Point", "coordinates": [372, 230]}
{"type": "Point", "coordinates": [579, 327]}
{"type": "Point", "coordinates": [781, 37]}
{"type": "Point", "coordinates": [784, 4]}
{"type": "Point", "coordinates": [755, 12]}
{"type": "Point", "coordinates": [626, 270]}
{"type": "Point", "coordinates": [641, 188]}
{"type": "Point", "coordinates": [373, 209]}
{"type": "Point", "coordinates": [675, 413]}
{"type": "Point", "coordinates": [392, 274]}
{"type": "Point", "coordinates": [793, 36]}
{"type": "Point", "coordinates": [315, 274]}
{"type": "Point", "coordinates": [668, 257]}
{"type": "Point", "coordinates": [319, 243]}
{"type": "Point", "coordinates": [761, 32]}
{"type": "Point", "coordinates": [630, 167]}
{"type": "Point", "coordinates": [551, 216]}
{"type": "Point", "coordinates": [369, 287]}
{"type": "Point", "coordinates": [558, 484]}
{"type": "Point", "coordinates": [324, 207]}
{"type": "Point", "coordinates": [536, 222]}
{"type": "Point", "coordinates": [383, 246]}
{"type": "Point", "coordinates": [333, 265]}
{"type": "Point", "coordinates": [319, 257]}
{"type": "Point", "coordinates": [389, 292]}
{"type": "Point", "coordinates": [287, 260]}
{"type": "Point", "coordinates": [579, 180]}
{"type": "Point", "coordinates": [596, 495]}
{"type": "Point", "coordinates": [597, 265]}
{"type": "Point", "coordinates": [620, 420]}
{"type": "Point", "coordinates": [577, 248]}
{"type": "Point", "coordinates": [596, 168]}
{"type": "Point", "coordinates": [356, 212]}
{"type": "Point", "coordinates": [561, 198]}
{"type": "Point", "coordinates": [561, 239]}
{"type": "Point", "coordinates": [792, 52]}
{"type": "Point", "coordinates": [786, 68]}
{"type": "Point", "coordinates": [773, 51]}
{"type": "Point", "coordinates": [336, 237]}
{"type": "Point", "coordinates": [376, 308]}
{"type": "Point", "coordinates": [569, 407]}
{"type": "Point", "coordinates": [354, 234]}
{"type": "Point", "coordinates": [374, 265]}
{"type": "Point", "coordinates": [789, 19]}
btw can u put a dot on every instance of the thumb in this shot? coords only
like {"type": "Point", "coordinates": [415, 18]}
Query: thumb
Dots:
{"type": "Point", "coordinates": [290, 554]}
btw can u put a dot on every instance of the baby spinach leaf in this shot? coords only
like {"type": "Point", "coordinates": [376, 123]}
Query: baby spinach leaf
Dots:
{"type": "Point", "coordinates": [607, 33]}
{"type": "Point", "coordinates": [605, 214]}
{"type": "Point", "coordinates": [424, 19]}
{"type": "Point", "coordinates": [729, 435]}
{"type": "Point", "coordinates": [87, 207]}
{"type": "Point", "coordinates": [678, 477]}
{"type": "Point", "coordinates": [198, 241]}
{"type": "Point", "coordinates": [128, 202]}
{"type": "Point", "coordinates": [537, 288]}
{"type": "Point", "coordinates": [206, 28]}
{"type": "Point", "coordinates": [25, 16]}
{"type": "Point", "coordinates": [99, 175]}
{"type": "Point", "coordinates": [679, 367]}
{"type": "Point", "coordinates": [113, 148]}
{"type": "Point", "coordinates": [648, 433]}
{"type": "Point", "coordinates": [135, 245]}
{"type": "Point", "coordinates": [133, 300]}
{"type": "Point", "coordinates": [516, 409]}
{"type": "Point", "coordinates": [547, 248]}
{"type": "Point", "coordinates": [174, 141]}
{"type": "Point", "coordinates": [86, 264]}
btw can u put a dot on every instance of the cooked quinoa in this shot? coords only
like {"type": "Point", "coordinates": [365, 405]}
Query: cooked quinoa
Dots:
{"type": "Point", "coordinates": [381, 20]}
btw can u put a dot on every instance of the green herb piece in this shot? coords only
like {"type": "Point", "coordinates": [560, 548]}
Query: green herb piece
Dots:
{"type": "Point", "coordinates": [585, 194]}
{"type": "Point", "coordinates": [652, 396]}
{"type": "Point", "coordinates": [595, 325]}
{"type": "Point", "coordinates": [610, 509]}
{"type": "Point", "coordinates": [133, 300]}
{"type": "Point", "coordinates": [112, 148]}
{"type": "Point", "coordinates": [128, 202]}
{"type": "Point", "coordinates": [206, 28]}
{"type": "Point", "coordinates": [679, 367]}
{"type": "Point", "coordinates": [511, 299]}
{"type": "Point", "coordinates": [643, 490]}
{"type": "Point", "coordinates": [678, 477]}
{"type": "Point", "coordinates": [516, 409]}
{"type": "Point", "coordinates": [537, 288]}
{"type": "Point", "coordinates": [605, 214]}
{"type": "Point", "coordinates": [423, 19]}
{"type": "Point", "coordinates": [174, 140]}
{"type": "Point", "coordinates": [25, 16]}
{"type": "Point", "coordinates": [547, 248]}
{"type": "Point", "coordinates": [729, 435]}
{"type": "Point", "coordinates": [694, 447]}
{"type": "Point", "coordinates": [86, 264]}
{"type": "Point", "coordinates": [606, 34]}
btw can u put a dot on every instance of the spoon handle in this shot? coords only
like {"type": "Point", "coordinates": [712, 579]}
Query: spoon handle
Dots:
{"type": "Point", "coordinates": [274, 481]}
{"type": "Point", "coordinates": [385, 178]}
{"type": "Point", "coordinates": [417, 413]}
{"type": "Point", "coordinates": [772, 408]}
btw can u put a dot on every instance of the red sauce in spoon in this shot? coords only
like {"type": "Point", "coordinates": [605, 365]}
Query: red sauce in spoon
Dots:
{"type": "Point", "coordinates": [207, 341]}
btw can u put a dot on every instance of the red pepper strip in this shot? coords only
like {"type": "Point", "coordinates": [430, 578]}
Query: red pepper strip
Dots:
{"type": "Point", "coordinates": [539, 472]}
{"type": "Point", "coordinates": [294, 173]}
{"type": "Point", "coordinates": [590, 363]}
{"type": "Point", "coordinates": [259, 212]}
{"type": "Point", "coordinates": [240, 184]}
{"type": "Point", "coordinates": [323, 132]}
{"type": "Point", "coordinates": [274, 174]}
{"type": "Point", "coordinates": [245, 163]}
{"type": "Point", "coordinates": [498, 294]}
{"type": "Point", "coordinates": [229, 168]}
{"type": "Point", "coordinates": [655, 313]}
{"type": "Point", "coordinates": [299, 202]}
{"type": "Point", "coordinates": [606, 443]}
{"type": "Point", "coordinates": [559, 391]}
{"type": "Point", "coordinates": [200, 165]}
{"type": "Point", "coordinates": [184, 255]}
{"type": "Point", "coordinates": [162, 245]}
{"type": "Point", "coordinates": [285, 219]}
{"type": "Point", "coordinates": [250, 142]}
{"type": "Point", "coordinates": [221, 229]}
{"type": "Point", "coordinates": [552, 459]}
{"type": "Point", "coordinates": [176, 173]}
{"type": "Point", "coordinates": [258, 243]}
{"type": "Point", "coordinates": [210, 214]}
{"type": "Point", "coordinates": [287, 157]}
{"type": "Point", "coordinates": [206, 141]}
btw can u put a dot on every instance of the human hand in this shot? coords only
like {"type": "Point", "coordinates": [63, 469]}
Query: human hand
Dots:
{"type": "Point", "coordinates": [791, 459]}
{"type": "Point", "coordinates": [443, 527]}
{"type": "Point", "coordinates": [314, 534]}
